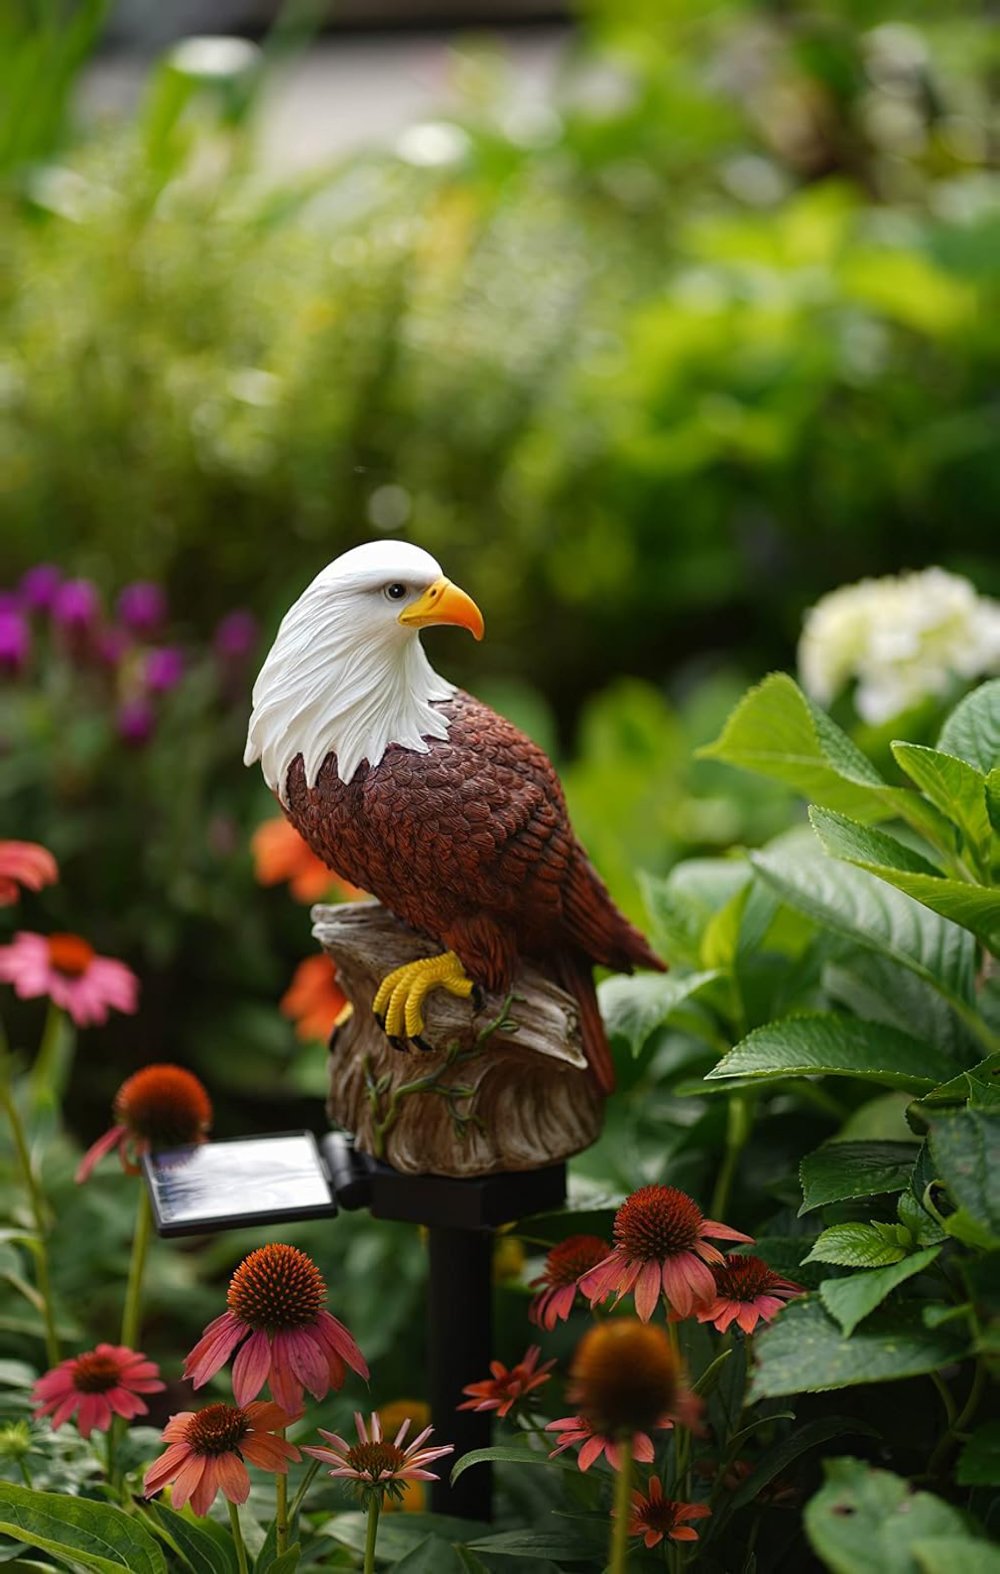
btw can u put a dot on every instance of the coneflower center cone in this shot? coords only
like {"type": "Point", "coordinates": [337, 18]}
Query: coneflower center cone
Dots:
{"type": "Point", "coordinates": [95, 1374]}
{"type": "Point", "coordinates": [277, 1287]}
{"type": "Point", "coordinates": [744, 1278]}
{"type": "Point", "coordinates": [376, 1459]}
{"type": "Point", "coordinates": [571, 1258]}
{"type": "Point", "coordinates": [657, 1222]}
{"type": "Point", "coordinates": [218, 1429]}
{"type": "Point", "coordinates": [624, 1377]}
{"type": "Point", "coordinates": [70, 955]}
{"type": "Point", "coordinates": [166, 1106]}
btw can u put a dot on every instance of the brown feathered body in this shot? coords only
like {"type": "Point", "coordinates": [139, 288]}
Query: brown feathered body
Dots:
{"type": "Point", "coordinates": [470, 844]}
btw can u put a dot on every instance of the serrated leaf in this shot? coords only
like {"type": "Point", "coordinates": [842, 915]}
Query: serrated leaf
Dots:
{"type": "Point", "coordinates": [873, 986]}
{"type": "Point", "coordinates": [855, 1246]}
{"type": "Point", "coordinates": [202, 1551]}
{"type": "Point", "coordinates": [805, 1351]}
{"type": "Point", "coordinates": [975, 907]}
{"type": "Point", "coordinates": [992, 794]}
{"type": "Point", "coordinates": [855, 903]}
{"type": "Point", "coordinates": [826, 1044]}
{"type": "Point", "coordinates": [851, 1300]}
{"type": "Point", "coordinates": [633, 1008]}
{"type": "Point", "coordinates": [866, 1521]}
{"type": "Point", "coordinates": [979, 1462]}
{"type": "Point", "coordinates": [978, 1087]}
{"type": "Point", "coordinates": [840, 1170]}
{"type": "Point", "coordinates": [972, 731]}
{"type": "Point", "coordinates": [93, 1535]}
{"type": "Point", "coordinates": [964, 1148]}
{"type": "Point", "coordinates": [682, 904]}
{"type": "Point", "coordinates": [953, 786]}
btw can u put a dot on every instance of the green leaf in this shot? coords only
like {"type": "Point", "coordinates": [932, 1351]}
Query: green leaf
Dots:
{"type": "Point", "coordinates": [851, 1300]}
{"type": "Point", "coordinates": [431, 1556]}
{"type": "Point", "coordinates": [954, 787]}
{"type": "Point", "coordinates": [398, 1534]}
{"type": "Point", "coordinates": [972, 731]}
{"type": "Point", "coordinates": [777, 1459]}
{"type": "Point", "coordinates": [993, 798]}
{"type": "Point", "coordinates": [840, 1170]}
{"type": "Point", "coordinates": [865, 1521]}
{"type": "Point", "coordinates": [979, 1087]}
{"type": "Point", "coordinates": [805, 1350]}
{"type": "Point", "coordinates": [562, 1544]}
{"type": "Point", "coordinates": [633, 1008]}
{"type": "Point", "coordinates": [979, 1461]}
{"type": "Point", "coordinates": [683, 904]}
{"type": "Point", "coordinates": [203, 1552]}
{"type": "Point", "coordinates": [289, 1561]}
{"type": "Point", "coordinates": [975, 907]}
{"type": "Point", "coordinates": [955, 1555]}
{"type": "Point", "coordinates": [510, 1454]}
{"type": "Point", "coordinates": [775, 731]}
{"type": "Point", "coordinates": [965, 1155]}
{"type": "Point", "coordinates": [94, 1535]}
{"type": "Point", "coordinates": [854, 903]}
{"type": "Point", "coordinates": [856, 1246]}
{"type": "Point", "coordinates": [827, 1044]}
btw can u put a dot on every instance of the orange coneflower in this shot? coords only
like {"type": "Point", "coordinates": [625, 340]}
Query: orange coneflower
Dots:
{"type": "Point", "coordinates": [314, 1000]}
{"type": "Point", "coordinates": [564, 1266]}
{"type": "Point", "coordinates": [279, 854]}
{"type": "Point", "coordinates": [661, 1244]}
{"type": "Point", "coordinates": [97, 1386]}
{"type": "Point", "coordinates": [508, 1385]}
{"type": "Point", "coordinates": [653, 1516]}
{"type": "Point", "coordinates": [746, 1291]}
{"type": "Point", "coordinates": [208, 1448]}
{"type": "Point", "coordinates": [158, 1107]}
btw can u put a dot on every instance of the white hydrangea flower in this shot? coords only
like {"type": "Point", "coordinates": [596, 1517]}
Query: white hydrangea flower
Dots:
{"type": "Point", "coordinates": [899, 639]}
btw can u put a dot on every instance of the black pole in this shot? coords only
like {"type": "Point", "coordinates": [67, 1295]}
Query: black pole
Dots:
{"type": "Point", "coordinates": [459, 1350]}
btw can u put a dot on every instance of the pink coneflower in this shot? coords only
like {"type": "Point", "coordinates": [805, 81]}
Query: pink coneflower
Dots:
{"type": "Point", "coordinates": [653, 1516]}
{"type": "Point", "coordinates": [575, 1430]}
{"type": "Point", "coordinates": [76, 605]}
{"type": "Point", "coordinates": [70, 972]}
{"type": "Point", "coordinates": [208, 1448]}
{"type": "Point", "coordinates": [285, 1334]}
{"type": "Point", "coordinates": [158, 1107]}
{"type": "Point", "coordinates": [564, 1265]}
{"type": "Point", "coordinates": [27, 864]}
{"type": "Point", "coordinates": [99, 1384]}
{"type": "Point", "coordinates": [746, 1290]}
{"type": "Point", "coordinates": [135, 722]}
{"type": "Point", "coordinates": [507, 1387]}
{"type": "Point", "coordinates": [660, 1244]}
{"type": "Point", "coordinates": [376, 1465]}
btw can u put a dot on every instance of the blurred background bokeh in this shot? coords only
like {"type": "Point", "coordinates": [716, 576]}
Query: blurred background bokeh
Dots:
{"type": "Point", "coordinates": [654, 320]}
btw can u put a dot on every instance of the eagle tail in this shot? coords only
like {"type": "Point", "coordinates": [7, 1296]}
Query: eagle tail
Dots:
{"type": "Point", "coordinates": [599, 929]}
{"type": "Point", "coordinates": [576, 976]}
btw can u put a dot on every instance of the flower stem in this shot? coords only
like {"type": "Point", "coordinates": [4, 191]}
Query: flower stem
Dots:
{"type": "Point", "coordinates": [374, 1509]}
{"type": "Point", "coordinates": [112, 1440]}
{"type": "Point", "coordinates": [40, 1248]}
{"type": "Point", "coordinates": [304, 1485]}
{"type": "Point", "coordinates": [281, 1509]}
{"type": "Point", "coordinates": [241, 1551]}
{"type": "Point", "coordinates": [739, 1124]}
{"type": "Point", "coordinates": [618, 1553]}
{"type": "Point", "coordinates": [48, 1076]}
{"type": "Point", "coordinates": [132, 1315]}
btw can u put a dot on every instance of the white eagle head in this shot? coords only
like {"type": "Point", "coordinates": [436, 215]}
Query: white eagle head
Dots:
{"type": "Point", "coordinates": [347, 674]}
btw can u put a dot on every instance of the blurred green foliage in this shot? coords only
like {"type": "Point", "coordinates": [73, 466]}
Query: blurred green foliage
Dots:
{"type": "Point", "coordinates": [649, 367]}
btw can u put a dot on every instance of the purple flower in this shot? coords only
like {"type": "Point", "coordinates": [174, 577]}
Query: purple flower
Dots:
{"type": "Point", "coordinates": [164, 669]}
{"type": "Point", "coordinates": [142, 607]}
{"type": "Point", "coordinates": [39, 585]}
{"type": "Point", "coordinates": [236, 636]}
{"type": "Point", "coordinates": [76, 605]}
{"type": "Point", "coordinates": [15, 640]}
{"type": "Point", "coordinates": [135, 721]}
{"type": "Point", "coordinates": [112, 645]}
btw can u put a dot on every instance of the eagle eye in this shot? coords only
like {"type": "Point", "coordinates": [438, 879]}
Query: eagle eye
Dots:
{"type": "Point", "coordinates": [395, 591]}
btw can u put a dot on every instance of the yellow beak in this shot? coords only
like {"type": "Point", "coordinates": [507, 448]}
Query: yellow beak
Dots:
{"type": "Point", "coordinates": [443, 602]}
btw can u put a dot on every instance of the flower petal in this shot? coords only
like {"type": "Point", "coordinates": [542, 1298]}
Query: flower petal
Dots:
{"type": "Point", "coordinates": [251, 1368]}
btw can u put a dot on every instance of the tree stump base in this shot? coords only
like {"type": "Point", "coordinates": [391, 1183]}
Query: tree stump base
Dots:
{"type": "Point", "coordinates": [502, 1087]}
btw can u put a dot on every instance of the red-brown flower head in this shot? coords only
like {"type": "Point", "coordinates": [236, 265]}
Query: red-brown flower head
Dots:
{"type": "Point", "coordinates": [281, 1330]}
{"type": "Point", "coordinates": [208, 1449]}
{"type": "Point", "coordinates": [653, 1516]}
{"type": "Point", "coordinates": [747, 1291]}
{"type": "Point", "coordinates": [376, 1466]}
{"type": "Point", "coordinates": [624, 1377]}
{"type": "Point", "coordinates": [565, 1264]}
{"type": "Point", "coordinates": [508, 1388]}
{"type": "Point", "coordinates": [96, 1386]}
{"type": "Point", "coordinates": [277, 1287]}
{"type": "Point", "coordinates": [661, 1247]}
{"type": "Point", "coordinates": [164, 1106]}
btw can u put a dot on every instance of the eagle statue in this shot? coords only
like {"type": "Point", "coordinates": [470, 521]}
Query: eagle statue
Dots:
{"type": "Point", "coordinates": [425, 797]}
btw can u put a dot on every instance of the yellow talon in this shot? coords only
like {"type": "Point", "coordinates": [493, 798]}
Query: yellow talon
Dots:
{"type": "Point", "coordinates": [400, 997]}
